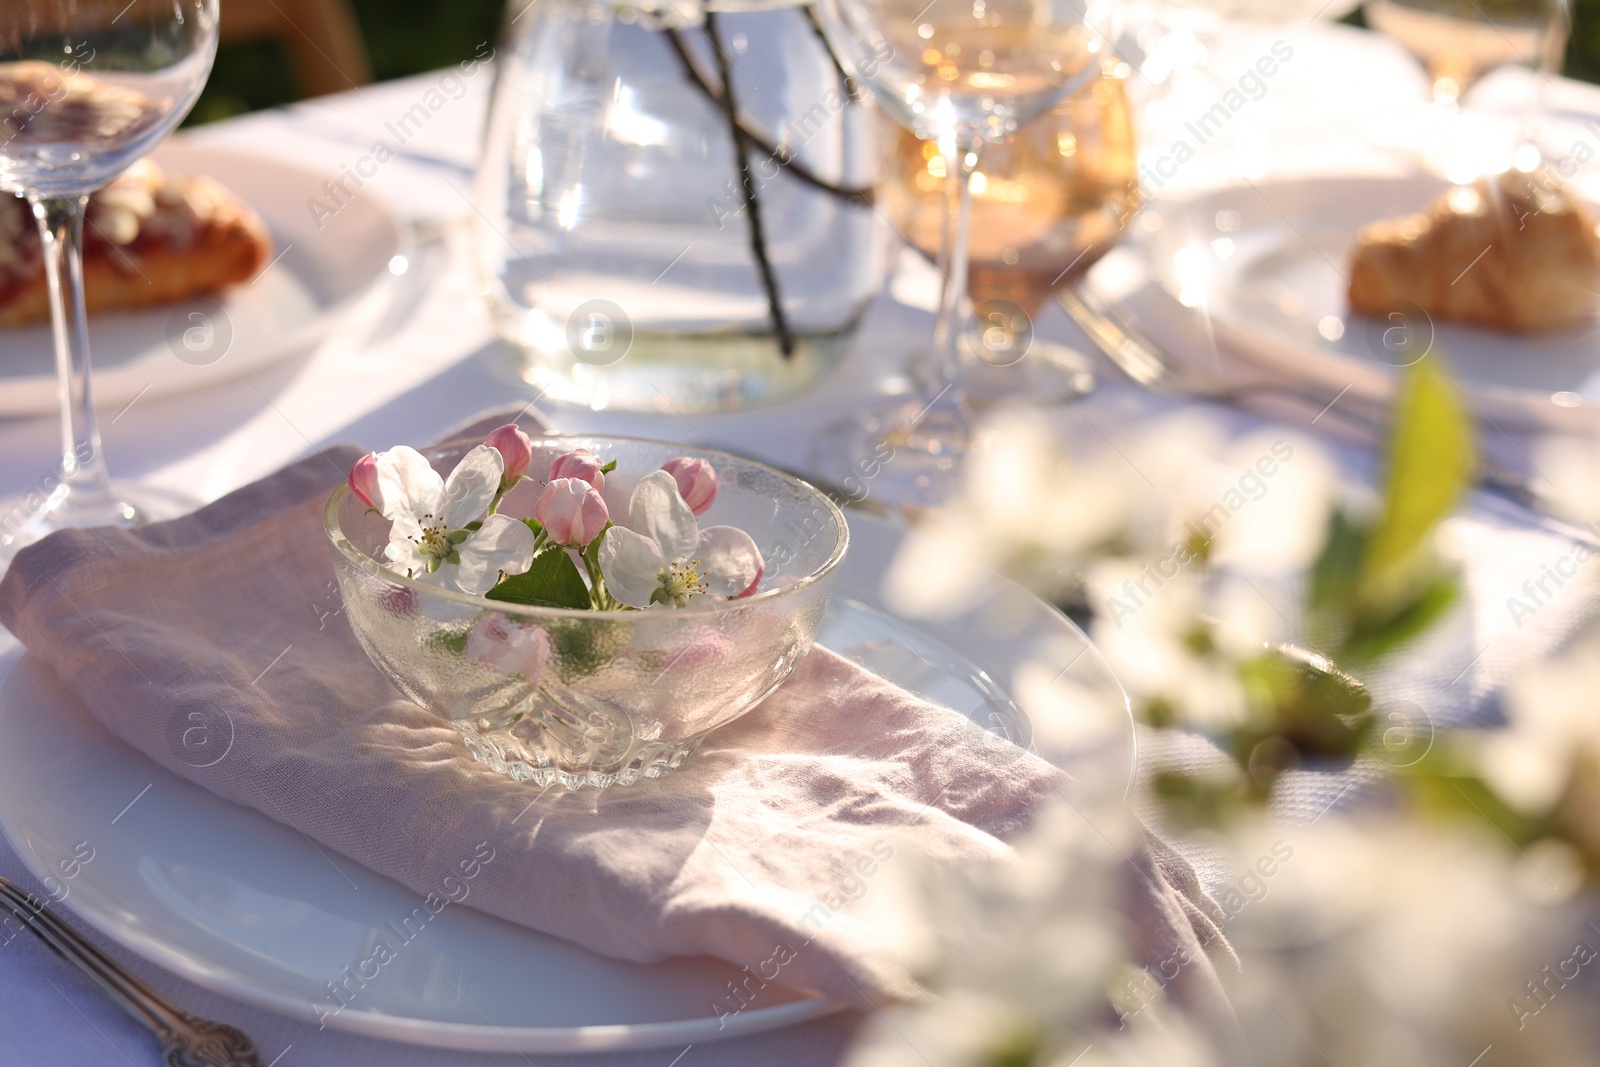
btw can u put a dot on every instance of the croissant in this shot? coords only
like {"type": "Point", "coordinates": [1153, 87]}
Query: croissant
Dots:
{"type": "Point", "coordinates": [1512, 252]}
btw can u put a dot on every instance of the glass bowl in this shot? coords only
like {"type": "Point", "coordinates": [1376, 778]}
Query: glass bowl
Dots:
{"type": "Point", "coordinates": [599, 698]}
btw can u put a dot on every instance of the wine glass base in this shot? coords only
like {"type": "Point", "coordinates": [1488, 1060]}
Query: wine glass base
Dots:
{"type": "Point", "coordinates": [906, 455]}
{"type": "Point", "coordinates": [1051, 374]}
{"type": "Point", "coordinates": [134, 506]}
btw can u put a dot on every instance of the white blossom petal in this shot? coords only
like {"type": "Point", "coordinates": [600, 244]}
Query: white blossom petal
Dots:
{"type": "Point", "coordinates": [408, 484]}
{"type": "Point", "coordinates": [1528, 772]}
{"type": "Point", "coordinates": [502, 544]}
{"type": "Point", "coordinates": [472, 485]}
{"type": "Point", "coordinates": [631, 565]}
{"type": "Point", "coordinates": [658, 511]}
{"type": "Point", "coordinates": [729, 560]}
{"type": "Point", "coordinates": [443, 577]}
{"type": "Point", "coordinates": [405, 527]}
{"type": "Point", "coordinates": [942, 569]}
{"type": "Point", "coordinates": [402, 552]}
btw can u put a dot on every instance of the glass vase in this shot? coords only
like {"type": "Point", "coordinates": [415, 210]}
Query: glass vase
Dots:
{"type": "Point", "coordinates": [649, 240]}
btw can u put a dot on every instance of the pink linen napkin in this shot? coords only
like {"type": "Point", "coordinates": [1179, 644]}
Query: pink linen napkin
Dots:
{"type": "Point", "coordinates": [761, 848]}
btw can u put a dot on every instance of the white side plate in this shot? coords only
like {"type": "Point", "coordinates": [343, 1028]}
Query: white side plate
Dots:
{"type": "Point", "coordinates": [285, 312]}
{"type": "Point", "coordinates": [236, 902]}
{"type": "Point", "coordinates": [1261, 272]}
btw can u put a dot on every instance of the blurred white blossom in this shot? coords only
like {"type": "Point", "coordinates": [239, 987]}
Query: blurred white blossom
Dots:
{"type": "Point", "coordinates": [1024, 955]}
{"type": "Point", "coordinates": [1391, 941]}
{"type": "Point", "coordinates": [1569, 466]}
{"type": "Point", "coordinates": [1163, 491]}
{"type": "Point", "coordinates": [1417, 936]}
{"type": "Point", "coordinates": [1161, 649]}
{"type": "Point", "coordinates": [1552, 725]}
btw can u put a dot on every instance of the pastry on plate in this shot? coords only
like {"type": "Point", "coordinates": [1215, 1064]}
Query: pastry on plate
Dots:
{"type": "Point", "coordinates": [151, 238]}
{"type": "Point", "coordinates": [1514, 252]}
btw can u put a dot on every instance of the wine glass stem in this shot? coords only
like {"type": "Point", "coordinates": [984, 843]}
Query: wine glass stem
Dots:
{"type": "Point", "coordinates": [942, 369]}
{"type": "Point", "coordinates": [83, 468]}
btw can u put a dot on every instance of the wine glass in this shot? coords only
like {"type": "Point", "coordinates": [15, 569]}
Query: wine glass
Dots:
{"type": "Point", "coordinates": [1459, 41]}
{"type": "Point", "coordinates": [1178, 32]}
{"type": "Point", "coordinates": [86, 89]}
{"type": "Point", "coordinates": [960, 74]}
{"type": "Point", "coordinates": [1047, 204]}
{"type": "Point", "coordinates": [1179, 41]}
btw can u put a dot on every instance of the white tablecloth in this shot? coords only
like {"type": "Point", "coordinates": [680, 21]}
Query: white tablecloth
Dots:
{"type": "Point", "coordinates": [433, 362]}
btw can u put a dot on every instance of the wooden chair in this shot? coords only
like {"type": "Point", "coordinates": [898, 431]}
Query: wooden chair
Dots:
{"type": "Point", "coordinates": [321, 37]}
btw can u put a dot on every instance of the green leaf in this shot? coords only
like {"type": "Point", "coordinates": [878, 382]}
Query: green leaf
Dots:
{"type": "Point", "coordinates": [1442, 787]}
{"type": "Point", "coordinates": [454, 641]}
{"type": "Point", "coordinates": [1430, 467]}
{"type": "Point", "coordinates": [583, 646]}
{"type": "Point", "coordinates": [1333, 576]}
{"type": "Point", "coordinates": [591, 551]}
{"type": "Point", "coordinates": [1195, 802]}
{"type": "Point", "coordinates": [1372, 639]}
{"type": "Point", "coordinates": [1331, 591]}
{"type": "Point", "coordinates": [1301, 700]}
{"type": "Point", "coordinates": [609, 467]}
{"type": "Point", "coordinates": [591, 561]}
{"type": "Point", "coordinates": [552, 582]}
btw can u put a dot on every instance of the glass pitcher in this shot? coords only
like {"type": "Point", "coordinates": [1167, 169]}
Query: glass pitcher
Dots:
{"type": "Point", "coordinates": [630, 254]}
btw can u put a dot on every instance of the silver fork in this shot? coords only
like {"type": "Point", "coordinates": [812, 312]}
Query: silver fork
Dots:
{"type": "Point", "coordinates": [186, 1041]}
{"type": "Point", "coordinates": [1143, 361]}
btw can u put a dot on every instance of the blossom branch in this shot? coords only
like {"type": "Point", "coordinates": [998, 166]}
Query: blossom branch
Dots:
{"type": "Point", "coordinates": [752, 204]}
{"type": "Point", "coordinates": [852, 194]}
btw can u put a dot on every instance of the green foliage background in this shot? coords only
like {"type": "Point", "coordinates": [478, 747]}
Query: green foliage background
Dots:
{"type": "Point", "coordinates": [403, 37]}
{"type": "Point", "coordinates": [412, 36]}
{"type": "Point", "coordinates": [1583, 53]}
{"type": "Point", "coordinates": [1583, 48]}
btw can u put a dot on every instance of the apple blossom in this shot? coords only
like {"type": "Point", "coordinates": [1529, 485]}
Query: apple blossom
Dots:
{"type": "Point", "coordinates": [398, 600]}
{"type": "Point", "coordinates": [428, 536]}
{"type": "Point", "coordinates": [364, 480]}
{"type": "Point", "coordinates": [699, 652]}
{"type": "Point", "coordinates": [516, 452]}
{"type": "Point", "coordinates": [572, 512]}
{"type": "Point", "coordinates": [663, 557]}
{"type": "Point", "coordinates": [697, 482]}
{"type": "Point", "coordinates": [499, 644]}
{"type": "Point", "coordinates": [750, 590]}
{"type": "Point", "coordinates": [581, 464]}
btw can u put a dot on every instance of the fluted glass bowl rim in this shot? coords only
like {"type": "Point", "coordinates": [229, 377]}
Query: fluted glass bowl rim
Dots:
{"type": "Point", "coordinates": [343, 545]}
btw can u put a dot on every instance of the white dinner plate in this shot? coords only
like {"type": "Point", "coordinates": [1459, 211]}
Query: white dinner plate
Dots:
{"type": "Point", "coordinates": [236, 902]}
{"type": "Point", "coordinates": [1267, 265]}
{"type": "Point", "coordinates": [321, 275]}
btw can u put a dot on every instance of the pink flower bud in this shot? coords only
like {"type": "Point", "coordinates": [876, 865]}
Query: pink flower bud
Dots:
{"type": "Point", "coordinates": [755, 583]}
{"type": "Point", "coordinates": [572, 512]}
{"type": "Point", "coordinates": [515, 448]}
{"type": "Point", "coordinates": [580, 464]}
{"type": "Point", "coordinates": [364, 480]}
{"type": "Point", "coordinates": [696, 481]}
{"type": "Point", "coordinates": [398, 600]}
